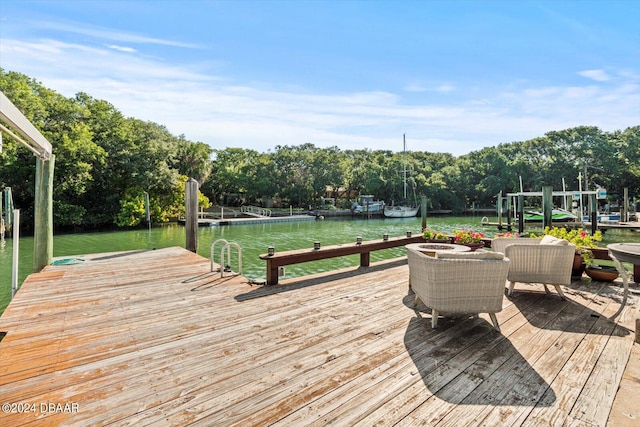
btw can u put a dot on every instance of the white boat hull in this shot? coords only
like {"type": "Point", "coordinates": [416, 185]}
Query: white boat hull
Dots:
{"type": "Point", "coordinates": [400, 211]}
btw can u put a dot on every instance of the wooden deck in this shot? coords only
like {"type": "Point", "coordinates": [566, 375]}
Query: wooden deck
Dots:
{"type": "Point", "coordinates": [154, 338]}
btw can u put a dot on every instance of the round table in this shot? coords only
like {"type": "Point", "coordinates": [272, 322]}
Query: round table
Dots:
{"type": "Point", "coordinates": [619, 253]}
{"type": "Point", "coordinates": [431, 249]}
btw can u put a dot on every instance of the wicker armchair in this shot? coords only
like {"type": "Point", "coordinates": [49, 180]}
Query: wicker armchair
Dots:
{"type": "Point", "coordinates": [459, 282]}
{"type": "Point", "coordinates": [547, 261]}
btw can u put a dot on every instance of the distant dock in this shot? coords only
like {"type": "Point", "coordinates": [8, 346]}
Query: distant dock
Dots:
{"type": "Point", "coordinates": [212, 222]}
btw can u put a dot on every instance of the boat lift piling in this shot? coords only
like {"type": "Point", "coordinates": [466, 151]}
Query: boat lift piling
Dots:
{"type": "Point", "coordinates": [515, 207]}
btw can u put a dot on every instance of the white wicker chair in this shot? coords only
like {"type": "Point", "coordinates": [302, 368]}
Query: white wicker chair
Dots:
{"type": "Point", "coordinates": [533, 262]}
{"type": "Point", "coordinates": [459, 282]}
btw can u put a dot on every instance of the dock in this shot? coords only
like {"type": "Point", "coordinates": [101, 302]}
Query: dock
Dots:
{"type": "Point", "coordinates": [213, 222]}
{"type": "Point", "coordinates": [153, 337]}
{"type": "Point", "coordinates": [604, 226]}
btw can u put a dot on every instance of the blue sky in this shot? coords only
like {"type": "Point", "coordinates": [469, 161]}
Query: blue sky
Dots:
{"type": "Point", "coordinates": [455, 76]}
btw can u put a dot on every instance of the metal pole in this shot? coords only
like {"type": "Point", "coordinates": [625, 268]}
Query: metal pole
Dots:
{"type": "Point", "coordinates": [404, 164]}
{"type": "Point", "coordinates": [16, 252]}
{"type": "Point", "coordinates": [580, 190]}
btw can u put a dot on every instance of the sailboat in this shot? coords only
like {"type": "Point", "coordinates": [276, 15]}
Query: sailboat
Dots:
{"type": "Point", "coordinates": [402, 211]}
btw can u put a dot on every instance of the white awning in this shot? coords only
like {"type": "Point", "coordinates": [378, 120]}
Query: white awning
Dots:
{"type": "Point", "coordinates": [16, 125]}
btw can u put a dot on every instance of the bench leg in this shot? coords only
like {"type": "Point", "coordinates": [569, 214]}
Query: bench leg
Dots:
{"type": "Point", "coordinates": [365, 259]}
{"type": "Point", "coordinates": [272, 274]}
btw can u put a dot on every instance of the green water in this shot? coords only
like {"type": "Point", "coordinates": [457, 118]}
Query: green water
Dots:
{"type": "Point", "coordinates": [253, 239]}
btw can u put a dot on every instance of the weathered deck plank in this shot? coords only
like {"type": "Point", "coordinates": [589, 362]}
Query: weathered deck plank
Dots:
{"type": "Point", "coordinates": [154, 338]}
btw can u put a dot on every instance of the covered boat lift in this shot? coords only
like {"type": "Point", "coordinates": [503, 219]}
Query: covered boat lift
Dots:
{"type": "Point", "coordinates": [515, 206]}
{"type": "Point", "coordinates": [14, 124]}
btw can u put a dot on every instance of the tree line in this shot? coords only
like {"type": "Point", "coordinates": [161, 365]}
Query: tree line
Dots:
{"type": "Point", "coordinates": [105, 163]}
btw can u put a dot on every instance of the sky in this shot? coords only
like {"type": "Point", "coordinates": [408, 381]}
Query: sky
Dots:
{"type": "Point", "coordinates": [453, 76]}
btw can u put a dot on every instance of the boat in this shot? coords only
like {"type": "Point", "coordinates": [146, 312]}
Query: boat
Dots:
{"type": "Point", "coordinates": [367, 205]}
{"type": "Point", "coordinates": [402, 211]}
{"type": "Point", "coordinates": [612, 218]}
{"type": "Point", "coordinates": [557, 215]}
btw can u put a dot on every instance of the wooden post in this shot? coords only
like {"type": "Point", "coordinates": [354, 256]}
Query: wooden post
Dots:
{"type": "Point", "coordinates": [509, 213]}
{"type": "Point", "coordinates": [147, 210]}
{"type": "Point", "coordinates": [423, 211]}
{"type": "Point", "coordinates": [624, 212]}
{"type": "Point", "coordinates": [520, 213]}
{"type": "Point", "coordinates": [43, 214]}
{"type": "Point", "coordinates": [547, 206]}
{"type": "Point", "coordinates": [593, 204]}
{"type": "Point", "coordinates": [191, 214]}
{"type": "Point", "coordinates": [499, 210]}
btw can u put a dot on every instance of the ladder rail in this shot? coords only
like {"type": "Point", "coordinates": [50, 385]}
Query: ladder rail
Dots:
{"type": "Point", "coordinates": [228, 247]}
{"type": "Point", "coordinates": [213, 246]}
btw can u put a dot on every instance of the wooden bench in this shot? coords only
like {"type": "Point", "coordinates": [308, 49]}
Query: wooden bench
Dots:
{"type": "Point", "coordinates": [279, 259]}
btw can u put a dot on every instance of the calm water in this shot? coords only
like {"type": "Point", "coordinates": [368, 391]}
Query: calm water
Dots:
{"type": "Point", "coordinates": [254, 240]}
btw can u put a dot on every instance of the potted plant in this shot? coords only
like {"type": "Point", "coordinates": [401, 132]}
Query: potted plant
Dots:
{"type": "Point", "coordinates": [602, 273]}
{"type": "Point", "coordinates": [582, 241]}
{"type": "Point", "coordinates": [435, 236]}
{"type": "Point", "coordinates": [473, 239]}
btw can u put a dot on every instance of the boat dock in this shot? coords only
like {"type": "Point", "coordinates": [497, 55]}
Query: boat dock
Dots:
{"type": "Point", "coordinates": [204, 222]}
{"type": "Point", "coordinates": [632, 226]}
{"type": "Point", "coordinates": [153, 337]}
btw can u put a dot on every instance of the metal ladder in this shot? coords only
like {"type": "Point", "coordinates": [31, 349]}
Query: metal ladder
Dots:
{"type": "Point", "coordinates": [226, 248]}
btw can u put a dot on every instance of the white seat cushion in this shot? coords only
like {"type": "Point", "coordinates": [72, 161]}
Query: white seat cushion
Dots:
{"type": "Point", "coordinates": [550, 240]}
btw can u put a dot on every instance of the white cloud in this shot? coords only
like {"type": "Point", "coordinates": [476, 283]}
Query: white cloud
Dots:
{"type": "Point", "coordinates": [188, 99]}
{"type": "Point", "coordinates": [597, 75]}
{"type": "Point", "coordinates": [443, 88]}
{"type": "Point", "coordinates": [108, 34]}
{"type": "Point", "coordinates": [122, 48]}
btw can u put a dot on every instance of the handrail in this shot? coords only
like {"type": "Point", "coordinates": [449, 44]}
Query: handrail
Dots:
{"type": "Point", "coordinates": [226, 247]}
{"type": "Point", "coordinates": [255, 210]}
{"type": "Point", "coordinates": [223, 267]}
{"type": "Point", "coordinates": [16, 252]}
{"type": "Point", "coordinates": [213, 246]}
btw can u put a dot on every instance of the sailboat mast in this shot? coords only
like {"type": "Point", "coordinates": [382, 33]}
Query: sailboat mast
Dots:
{"type": "Point", "coordinates": [404, 163]}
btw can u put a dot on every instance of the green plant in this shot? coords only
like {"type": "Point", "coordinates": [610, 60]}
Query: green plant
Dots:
{"type": "Point", "coordinates": [467, 236]}
{"type": "Point", "coordinates": [434, 235]}
{"type": "Point", "coordinates": [578, 237]}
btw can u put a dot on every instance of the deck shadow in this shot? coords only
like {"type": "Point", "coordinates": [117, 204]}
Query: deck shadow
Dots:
{"type": "Point", "coordinates": [119, 255]}
{"type": "Point", "coordinates": [466, 362]}
{"type": "Point", "coordinates": [305, 281]}
{"type": "Point", "coordinates": [584, 316]}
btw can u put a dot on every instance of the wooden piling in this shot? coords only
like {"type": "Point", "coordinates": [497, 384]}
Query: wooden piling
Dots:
{"type": "Point", "coordinates": [547, 206]}
{"type": "Point", "coordinates": [191, 214]}
{"type": "Point", "coordinates": [423, 211]}
{"type": "Point", "coordinates": [43, 214]}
